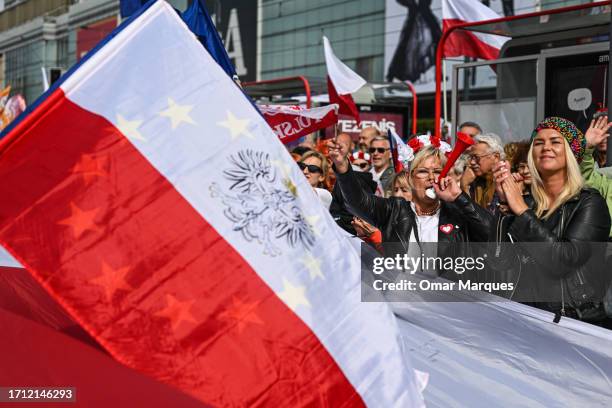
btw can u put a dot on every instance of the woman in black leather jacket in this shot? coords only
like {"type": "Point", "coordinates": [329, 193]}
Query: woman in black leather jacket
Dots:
{"type": "Point", "coordinates": [566, 218]}
{"type": "Point", "coordinates": [452, 217]}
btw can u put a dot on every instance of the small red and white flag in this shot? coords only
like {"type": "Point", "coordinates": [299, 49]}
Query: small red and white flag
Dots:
{"type": "Point", "coordinates": [468, 43]}
{"type": "Point", "coordinates": [341, 82]}
{"type": "Point", "coordinates": [151, 200]}
{"type": "Point", "coordinates": [292, 122]}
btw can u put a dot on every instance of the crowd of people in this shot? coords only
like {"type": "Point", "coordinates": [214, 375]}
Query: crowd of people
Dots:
{"type": "Point", "coordinates": [550, 189]}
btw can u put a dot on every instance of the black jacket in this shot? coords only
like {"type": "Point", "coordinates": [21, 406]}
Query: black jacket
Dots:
{"type": "Point", "coordinates": [396, 219]}
{"type": "Point", "coordinates": [338, 209]}
{"type": "Point", "coordinates": [568, 240]}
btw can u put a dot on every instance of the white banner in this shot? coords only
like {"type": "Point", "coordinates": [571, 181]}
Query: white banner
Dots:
{"type": "Point", "coordinates": [506, 354]}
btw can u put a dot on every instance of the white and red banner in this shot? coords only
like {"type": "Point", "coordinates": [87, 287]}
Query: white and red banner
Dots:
{"type": "Point", "coordinates": [174, 227]}
{"type": "Point", "coordinates": [292, 122]}
{"type": "Point", "coordinates": [468, 43]}
{"type": "Point", "coordinates": [341, 82]}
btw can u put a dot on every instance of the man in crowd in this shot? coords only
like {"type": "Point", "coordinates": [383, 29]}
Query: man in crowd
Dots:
{"type": "Point", "coordinates": [338, 208]}
{"type": "Point", "coordinates": [470, 128]}
{"type": "Point", "coordinates": [366, 136]}
{"type": "Point", "coordinates": [483, 157]}
{"type": "Point", "coordinates": [382, 171]}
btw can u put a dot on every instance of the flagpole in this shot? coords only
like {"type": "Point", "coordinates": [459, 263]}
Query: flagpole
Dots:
{"type": "Point", "coordinates": [609, 92]}
{"type": "Point", "coordinates": [444, 94]}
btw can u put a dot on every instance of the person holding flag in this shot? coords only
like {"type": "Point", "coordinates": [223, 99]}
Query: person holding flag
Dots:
{"type": "Point", "coordinates": [450, 217]}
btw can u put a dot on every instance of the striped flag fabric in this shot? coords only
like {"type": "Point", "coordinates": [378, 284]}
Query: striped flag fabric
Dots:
{"type": "Point", "coordinates": [169, 221]}
{"type": "Point", "coordinates": [467, 43]}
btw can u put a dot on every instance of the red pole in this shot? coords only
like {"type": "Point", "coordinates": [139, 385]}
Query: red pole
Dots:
{"type": "Point", "coordinates": [445, 34]}
{"type": "Point", "coordinates": [439, 62]}
{"type": "Point", "coordinates": [415, 108]}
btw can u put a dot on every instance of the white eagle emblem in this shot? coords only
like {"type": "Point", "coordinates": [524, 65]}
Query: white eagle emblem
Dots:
{"type": "Point", "coordinates": [262, 207]}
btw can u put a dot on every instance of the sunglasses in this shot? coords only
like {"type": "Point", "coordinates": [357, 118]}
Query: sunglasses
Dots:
{"type": "Point", "coordinates": [311, 168]}
{"type": "Point", "coordinates": [380, 150]}
{"type": "Point", "coordinates": [363, 165]}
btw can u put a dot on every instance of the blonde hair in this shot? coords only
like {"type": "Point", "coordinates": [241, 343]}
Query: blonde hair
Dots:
{"type": "Point", "coordinates": [424, 154]}
{"type": "Point", "coordinates": [324, 164]}
{"type": "Point", "coordinates": [400, 178]}
{"type": "Point", "coordinates": [572, 186]}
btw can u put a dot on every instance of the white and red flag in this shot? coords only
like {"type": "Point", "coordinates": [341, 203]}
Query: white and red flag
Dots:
{"type": "Point", "coordinates": [152, 201]}
{"type": "Point", "coordinates": [341, 82]}
{"type": "Point", "coordinates": [292, 122]}
{"type": "Point", "coordinates": [469, 43]}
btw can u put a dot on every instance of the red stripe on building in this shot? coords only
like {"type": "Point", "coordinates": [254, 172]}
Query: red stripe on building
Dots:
{"type": "Point", "coordinates": [145, 274]}
{"type": "Point", "coordinates": [466, 43]}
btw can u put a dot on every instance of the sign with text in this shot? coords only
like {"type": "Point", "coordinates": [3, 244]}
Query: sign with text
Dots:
{"type": "Point", "coordinates": [380, 120]}
{"type": "Point", "coordinates": [236, 21]}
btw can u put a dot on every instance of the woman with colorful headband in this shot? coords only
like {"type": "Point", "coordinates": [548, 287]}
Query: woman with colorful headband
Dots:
{"type": "Point", "coordinates": [562, 215]}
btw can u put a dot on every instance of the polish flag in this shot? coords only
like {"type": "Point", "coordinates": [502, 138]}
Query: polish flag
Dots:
{"type": "Point", "coordinates": [341, 82]}
{"type": "Point", "coordinates": [468, 43]}
{"type": "Point", "coordinates": [150, 199]}
{"type": "Point", "coordinates": [292, 122]}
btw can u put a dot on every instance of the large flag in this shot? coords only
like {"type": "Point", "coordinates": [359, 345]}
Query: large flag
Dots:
{"type": "Point", "coordinates": [199, 22]}
{"type": "Point", "coordinates": [170, 222]}
{"type": "Point", "coordinates": [292, 122]}
{"type": "Point", "coordinates": [129, 7]}
{"type": "Point", "coordinates": [467, 43]}
{"type": "Point", "coordinates": [341, 82]}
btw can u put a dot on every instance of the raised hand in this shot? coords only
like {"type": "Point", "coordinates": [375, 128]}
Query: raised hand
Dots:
{"type": "Point", "coordinates": [597, 131]}
{"type": "Point", "coordinates": [514, 195]}
{"type": "Point", "coordinates": [500, 172]}
{"type": "Point", "coordinates": [447, 189]}
{"type": "Point", "coordinates": [338, 155]}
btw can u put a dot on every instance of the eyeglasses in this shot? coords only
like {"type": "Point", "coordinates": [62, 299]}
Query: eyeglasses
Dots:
{"type": "Point", "coordinates": [380, 150]}
{"type": "Point", "coordinates": [423, 173]}
{"type": "Point", "coordinates": [522, 167]}
{"type": "Point", "coordinates": [311, 168]}
{"type": "Point", "coordinates": [476, 157]}
{"type": "Point", "coordinates": [362, 165]}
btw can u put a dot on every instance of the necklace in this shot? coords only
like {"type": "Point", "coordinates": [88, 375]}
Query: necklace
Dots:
{"type": "Point", "coordinates": [432, 212]}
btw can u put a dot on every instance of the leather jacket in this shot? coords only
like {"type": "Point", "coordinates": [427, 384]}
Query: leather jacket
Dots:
{"type": "Point", "coordinates": [569, 236]}
{"type": "Point", "coordinates": [396, 219]}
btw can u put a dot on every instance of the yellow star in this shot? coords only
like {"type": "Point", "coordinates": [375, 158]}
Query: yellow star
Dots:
{"type": "Point", "coordinates": [293, 296]}
{"type": "Point", "coordinates": [177, 113]}
{"type": "Point", "coordinates": [291, 187]}
{"type": "Point", "coordinates": [112, 280]}
{"type": "Point", "coordinates": [314, 266]}
{"type": "Point", "coordinates": [130, 128]}
{"type": "Point", "coordinates": [284, 168]}
{"type": "Point", "coordinates": [312, 221]}
{"type": "Point", "coordinates": [236, 126]}
{"type": "Point", "coordinates": [80, 220]}
{"type": "Point", "coordinates": [177, 311]}
{"type": "Point", "coordinates": [91, 167]}
{"type": "Point", "coordinates": [241, 313]}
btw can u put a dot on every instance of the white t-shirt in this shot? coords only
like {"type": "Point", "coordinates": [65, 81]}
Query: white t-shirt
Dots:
{"type": "Point", "coordinates": [380, 191]}
{"type": "Point", "coordinates": [427, 226]}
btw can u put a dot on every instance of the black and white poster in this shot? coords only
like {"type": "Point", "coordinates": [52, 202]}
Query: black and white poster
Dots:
{"type": "Point", "coordinates": [412, 31]}
{"type": "Point", "coordinates": [236, 21]}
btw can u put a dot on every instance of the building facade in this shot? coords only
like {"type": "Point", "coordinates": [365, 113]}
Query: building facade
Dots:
{"type": "Point", "coordinates": [265, 38]}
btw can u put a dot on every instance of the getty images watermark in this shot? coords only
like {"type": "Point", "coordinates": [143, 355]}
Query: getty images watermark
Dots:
{"type": "Point", "coordinates": [460, 272]}
{"type": "Point", "coordinates": [412, 265]}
